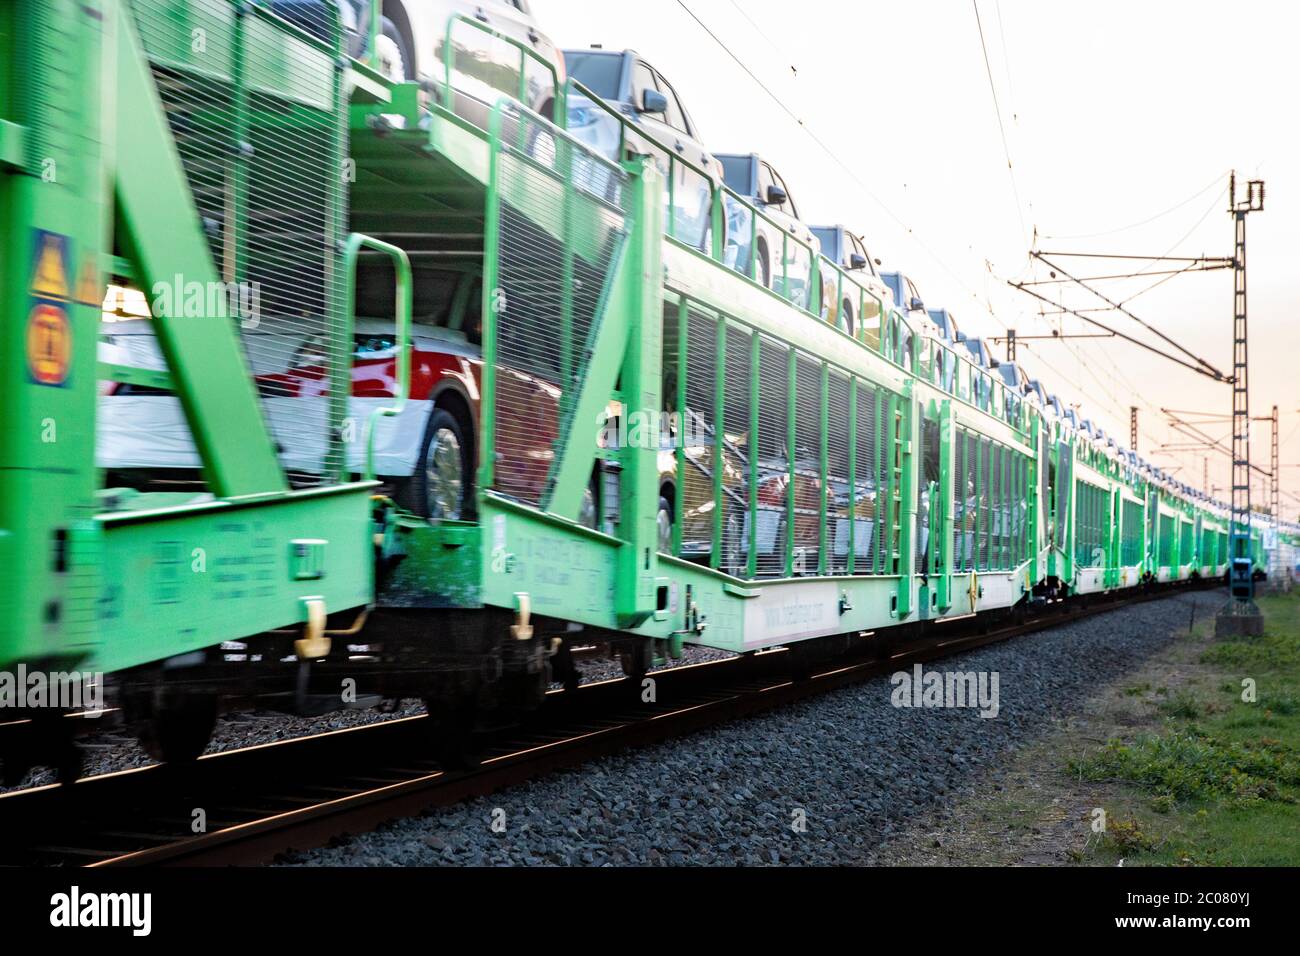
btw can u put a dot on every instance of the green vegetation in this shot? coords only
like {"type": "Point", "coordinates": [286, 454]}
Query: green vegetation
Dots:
{"type": "Point", "coordinates": [1219, 782]}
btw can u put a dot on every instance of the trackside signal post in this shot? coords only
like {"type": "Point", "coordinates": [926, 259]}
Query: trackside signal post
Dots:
{"type": "Point", "coordinates": [1240, 615]}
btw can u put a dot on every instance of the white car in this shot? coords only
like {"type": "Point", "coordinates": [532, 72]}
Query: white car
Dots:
{"type": "Point", "coordinates": [783, 245]}
{"type": "Point", "coordinates": [847, 251]}
{"type": "Point", "coordinates": [659, 126]}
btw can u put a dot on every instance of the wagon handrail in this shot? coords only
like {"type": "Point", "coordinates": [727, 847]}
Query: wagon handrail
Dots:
{"type": "Point", "coordinates": [341, 344]}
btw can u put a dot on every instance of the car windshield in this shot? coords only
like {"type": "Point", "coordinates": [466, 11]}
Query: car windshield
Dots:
{"type": "Point", "coordinates": [598, 72]}
{"type": "Point", "coordinates": [736, 173]}
{"type": "Point", "coordinates": [315, 350]}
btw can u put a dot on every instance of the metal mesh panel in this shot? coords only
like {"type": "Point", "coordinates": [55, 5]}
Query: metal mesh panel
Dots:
{"type": "Point", "coordinates": [560, 240]}
{"type": "Point", "coordinates": [997, 517]}
{"type": "Point", "coordinates": [1088, 505]}
{"type": "Point", "coordinates": [1019, 507]}
{"type": "Point", "coordinates": [736, 428]}
{"type": "Point", "coordinates": [929, 475]}
{"type": "Point", "coordinates": [807, 465]}
{"type": "Point", "coordinates": [960, 495]}
{"type": "Point", "coordinates": [1045, 481]}
{"type": "Point", "coordinates": [867, 503]}
{"type": "Point", "coordinates": [1064, 481]}
{"type": "Point", "coordinates": [1131, 546]}
{"type": "Point", "coordinates": [773, 465]}
{"type": "Point", "coordinates": [839, 500]}
{"type": "Point", "coordinates": [890, 482]}
{"type": "Point", "coordinates": [270, 201]}
{"type": "Point", "coordinates": [668, 381]}
{"type": "Point", "coordinates": [982, 505]}
{"type": "Point", "coordinates": [972, 522]}
{"type": "Point", "coordinates": [696, 483]}
{"type": "Point", "coordinates": [1168, 526]}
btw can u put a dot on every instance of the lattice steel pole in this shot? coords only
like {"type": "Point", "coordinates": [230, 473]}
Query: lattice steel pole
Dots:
{"type": "Point", "coordinates": [1240, 615]}
{"type": "Point", "coordinates": [1133, 427]}
{"type": "Point", "coordinates": [1275, 502]}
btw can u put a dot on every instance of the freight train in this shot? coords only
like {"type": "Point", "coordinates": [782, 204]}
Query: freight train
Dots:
{"type": "Point", "coordinates": [321, 385]}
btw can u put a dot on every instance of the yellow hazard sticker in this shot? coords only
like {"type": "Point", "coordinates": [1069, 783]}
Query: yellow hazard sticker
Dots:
{"type": "Point", "coordinates": [49, 344]}
{"type": "Point", "coordinates": [50, 275]}
{"type": "Point", "coordinates": [89, 291]}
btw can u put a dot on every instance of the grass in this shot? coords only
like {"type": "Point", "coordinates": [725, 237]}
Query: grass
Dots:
{"type": "Point", "coordinates": [1217, 782]}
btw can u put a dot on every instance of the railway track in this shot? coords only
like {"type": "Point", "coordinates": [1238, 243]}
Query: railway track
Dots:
{"type": "Point", "coordinates": [247, 806]}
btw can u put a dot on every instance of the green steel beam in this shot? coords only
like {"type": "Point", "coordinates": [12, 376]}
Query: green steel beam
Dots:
{"type": "Point", "coordinates": [641, 298]}
{"type": "Point", "coordinates": [751, 559]}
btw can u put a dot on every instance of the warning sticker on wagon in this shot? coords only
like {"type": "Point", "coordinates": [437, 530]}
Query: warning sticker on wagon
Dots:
{"type": "Point", "coordinates": [49, 344]}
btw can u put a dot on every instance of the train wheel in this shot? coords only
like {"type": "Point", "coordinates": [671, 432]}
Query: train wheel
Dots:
{"type": "Point", "coordinates": [637, 657]}
{"type": "Point", "coordinates": [453, 736]}
{"type": "Point", "coordinates": [178, 730]}
{"type": "Point", "coordinates": [563, 668]}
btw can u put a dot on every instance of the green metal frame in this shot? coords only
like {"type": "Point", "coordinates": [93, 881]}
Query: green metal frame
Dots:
{"type": "Point", "coordinates": [114, 590]}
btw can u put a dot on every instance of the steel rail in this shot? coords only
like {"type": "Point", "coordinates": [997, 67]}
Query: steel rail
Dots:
{"type": "Point", "coordinates": [297, 794]}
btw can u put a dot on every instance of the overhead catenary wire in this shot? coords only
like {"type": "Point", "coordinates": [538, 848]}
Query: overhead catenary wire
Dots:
{"type": "Point", "coordinates": [997, 109]}
{"type": "Point", "coordinates": [794, 69]}
{"type": "Point", "coordinates": [832, 155]}
{"type": "Point", "coordinates": [1150, 219]}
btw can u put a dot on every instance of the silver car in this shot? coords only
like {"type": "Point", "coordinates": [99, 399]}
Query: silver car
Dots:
{"type": "Point", "coordinates": [781, 251]}
{"type": "Point", "coordinates": [412, 38]}
{"type": "Point", "coordinates": [658, 125]}
{"type": "Point", "coordinates": [847, 251]}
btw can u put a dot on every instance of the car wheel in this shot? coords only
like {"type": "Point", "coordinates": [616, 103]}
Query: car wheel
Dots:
{"type": "Point", "coordinates": [848, 316]}
{"type": "Point", "coordinates": [542, 147]}
{"type": "Point", "coordinates": [664, 524]}
{"type": "Point", "coordinates": [442, 484]}
{"type": "Point", "coordinates": [764, 267]}
{"type": "Point", "coordinates": [588, 515]}
{"type": "Point", "coordinates": [734, 560]}
{"type": "Point", "coordinates": [394, 54]}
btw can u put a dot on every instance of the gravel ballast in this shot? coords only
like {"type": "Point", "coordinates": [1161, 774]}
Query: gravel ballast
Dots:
{"type": "Point", "coordinates": [823, 781]}
{"type": "Point", "coordinates": [115, 749]}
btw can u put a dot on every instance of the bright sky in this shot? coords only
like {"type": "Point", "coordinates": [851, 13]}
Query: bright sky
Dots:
{"type": "Point", "coordinates": [1115, 113]}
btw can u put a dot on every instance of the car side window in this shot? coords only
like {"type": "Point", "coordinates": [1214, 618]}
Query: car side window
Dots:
{"type": "Point", "coordinates": [765, 179]}
{"type": "Point", "coordinates": [676, 117]}
{"type": "Point", "coordinates": [643, 78]}
{"type": "Point", "coordinates": [788, 205]}
{"type": "Point", "coordinates": [861, 250]}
